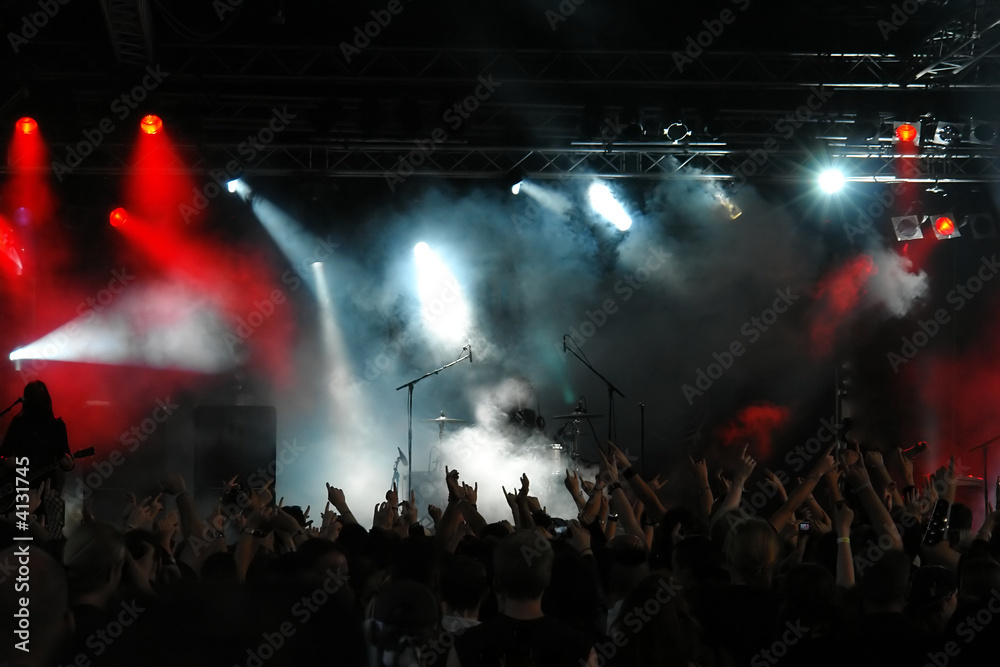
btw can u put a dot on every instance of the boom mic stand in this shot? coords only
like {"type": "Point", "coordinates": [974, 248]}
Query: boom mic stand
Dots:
{"type": "Point", "coordinates": [409, 412]}
{"type": "Point", "coordinates": [611, 390]}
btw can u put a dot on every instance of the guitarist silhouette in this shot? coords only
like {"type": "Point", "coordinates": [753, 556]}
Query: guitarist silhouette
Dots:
{"type": "Point", "coordinates": [38, 434]}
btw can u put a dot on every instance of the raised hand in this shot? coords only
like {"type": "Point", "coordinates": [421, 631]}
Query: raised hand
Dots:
{"type": "Point", "coordinates": [408, 515]}
{"type": "Point", "coordinates": [336, 496]}
{"type": "Point", "coordinates": [451, 480]}
{"type": "Point", "coordinates": [856, 474]}
{"type": "Point", "coordinates": [875, 460]}
{"type": "Point", "coordinates": [619, 456]}
{"type": "Point", "coordinates": [522, 493]}
{"type": "Point", "coordinates": [744, 467]}
{"type": "Point", "coordinates": [700, 470]}
{"type": "Point", "coordinates": [825, 463]}
{"type": "Point", "coordinates": [470, 493]}
{"type": "Point", "coordinates": [724, 481]}
{"type": "Point", "coordinates": [174, 484]}
{"type": "Point", "coordinates": [572, 483]}
{"type": "Point", "coordinates": [843, 517]}
{"type": "Point", "coordinates": [435, 513]}
{"type": "Point", "coordinates": [166, 528]}
{"type": "Point", "coordinates": [511, 498]}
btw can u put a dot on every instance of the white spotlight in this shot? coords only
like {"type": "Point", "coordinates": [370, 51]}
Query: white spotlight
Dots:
{"type": "Point", "coordinates": [605, 203]}
{"type": "Point", "coordinates": [831, 181]}
{"type": "Point", "coordinates": [240, 187]}
{"type": "Point", "coordinates": [445, 310]}
{"type": "Point", "coordinates": [516, 188]}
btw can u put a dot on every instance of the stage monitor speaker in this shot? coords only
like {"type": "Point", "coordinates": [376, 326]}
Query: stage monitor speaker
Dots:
{"type": "Point", "coordinates": [234, 440]}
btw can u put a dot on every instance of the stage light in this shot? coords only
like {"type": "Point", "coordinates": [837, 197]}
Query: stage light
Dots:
{"type": "Point", "coordinates": [26, 125]}
{"type": "Point", "coordinates": [907, 228]}
{"type": "Point", "coordinates": [676, 132]}
{"type": "Point", "coordinates": [443, 304]}
{"type": "Point", "coordinates": [944, 226]}
{"type": "Point", "coordinates": [118, 217]}
{"type": "Point", "coordinates": [831, 181]}
{"type": "Point", "coordinates": [983, 225]}
{"type": "Point", "coordinates": [604, 202]}
{"type": "Point", "coordinates": [727, 203]}
{"type": "Point", "coordinates": [983, 133]}
{"type": "Point", "coordinates": [239, 187]}
{"type": "Point", "coordinates": [151, 124]}
{"type": "Point", "coordinates": [514, 179]}
{"type": "Point", "coordinates": [948, 134]}
{"type": "Point", "coordinates": [907, 133]}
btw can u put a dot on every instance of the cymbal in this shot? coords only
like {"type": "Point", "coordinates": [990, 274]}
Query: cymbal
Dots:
{"type": "Point", "coordinates": [968, 480]}
{"type": "Point", "coordinates": [578, 415]}
{"type": "Point", "coordinates": [444, 420]}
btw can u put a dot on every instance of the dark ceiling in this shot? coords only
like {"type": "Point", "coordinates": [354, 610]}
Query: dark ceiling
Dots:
{"type": "Point", "coordinates": [580, 85]}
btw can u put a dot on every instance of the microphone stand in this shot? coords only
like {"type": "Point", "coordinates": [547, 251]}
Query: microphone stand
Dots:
{"type": "Point", "coordinates": [642, 439]}
{"type": "Point", "coordinates": [986, 471]}
{"type": "Point", "coordinates": [11, 407]}
{"type": "Point", "coordinates": [409, 414]}
{"type": "Point", "coordinates": [611, 391]}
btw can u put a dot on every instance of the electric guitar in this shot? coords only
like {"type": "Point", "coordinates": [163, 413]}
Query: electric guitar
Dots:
{"type": "Point", "coordinates": [9, 490]}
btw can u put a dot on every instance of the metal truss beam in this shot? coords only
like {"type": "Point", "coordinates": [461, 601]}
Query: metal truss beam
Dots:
{"type": "Point", "coordinates": [128, 24]}
{"type": "Point", "coordinates": [396, 162]}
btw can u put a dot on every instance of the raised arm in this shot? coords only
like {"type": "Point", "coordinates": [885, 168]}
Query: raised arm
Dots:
{"type": "Point", "coordinates": [339, 501]}
{"type": "Point", "coordinates": [630, 476]}
{"type": "Point", "coordinates": [824, 463]}
{"type": "Point", "coordinates": [843, 518]}
{"type": "Point", "coordinates": [744, 468]}
{"type": "Point", "coordinates": [858, 481]}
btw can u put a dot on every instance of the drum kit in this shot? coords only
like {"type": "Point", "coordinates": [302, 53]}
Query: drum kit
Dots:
{"type": "Point", "coordinates": [530, 421]}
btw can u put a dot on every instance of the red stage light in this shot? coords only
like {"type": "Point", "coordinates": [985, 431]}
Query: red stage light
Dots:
{"type": "Point", "coordinates": [906, 133]}
{"type": "Point", "coordinates": [26, 125]}
{"type": "Point", "coordinates": [118, 217]}
{"type": "Point", "coordinates": [151, 124]}
{"type": "Point", "coordinates": [945, 226]}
